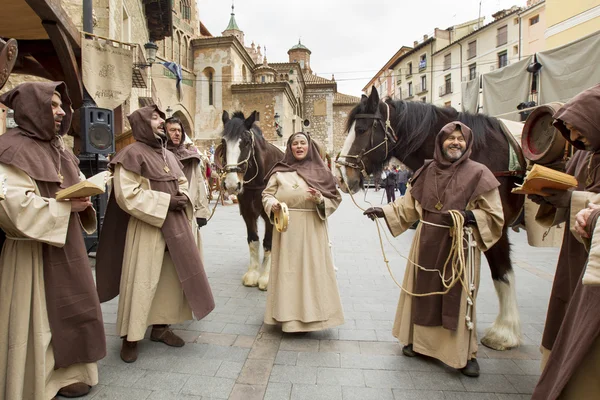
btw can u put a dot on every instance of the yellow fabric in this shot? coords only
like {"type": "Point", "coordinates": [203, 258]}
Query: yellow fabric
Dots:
{"type": "Point", "coordinates": [26, 357]}
{"type": "Point", "coordinates": [302, 294]}
{"type": "Point", "coordinates": [453, 348]}
{"type": "Point", "coordinates": [150, 291]}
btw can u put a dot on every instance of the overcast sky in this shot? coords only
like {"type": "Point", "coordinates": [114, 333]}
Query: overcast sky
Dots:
{"type": "Point", "coordinates": [351, 38]}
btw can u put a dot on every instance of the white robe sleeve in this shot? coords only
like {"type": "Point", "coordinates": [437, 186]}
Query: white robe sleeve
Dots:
{"type": "Point", "coordinates": [402, 213]}
{"type": "Point", "coordinates": [488, 212]}
{"type": "Point", "coordinates": [147, 205]}
{"type": "Point", "coordinates": [328, 206]}
{"type": "Point", "coordinates": [202, 210]}
{"type": "Point", "coordinates": [268, 196]}
{"type": "Point", "coordinates": [87, 217]}
{"type": "Point", "coordinates": [31, 215]}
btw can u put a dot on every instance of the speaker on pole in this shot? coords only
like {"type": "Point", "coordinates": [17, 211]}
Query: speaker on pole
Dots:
{"type": "Point", "coordinates": [97, 130]}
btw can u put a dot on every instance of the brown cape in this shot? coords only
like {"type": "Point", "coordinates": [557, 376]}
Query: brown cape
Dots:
{"type": "Point", "coordinates": [458, 183]}
{"type": "Point", "coordinates": [73, 308]}
{"type": "Point", "coordinates": [576, 336]}
{"type": "Point", "coordinates": [582, 113]}
{"type": "Point", "coordinates": [312, 168]}
{"type": "Point", "coordinates": [145, 158]}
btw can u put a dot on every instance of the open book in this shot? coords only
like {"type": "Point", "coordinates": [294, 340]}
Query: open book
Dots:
{"type": "Point", "coordinates": [540, 178]}
{"type": "Point", "coordinates": [90, 187]}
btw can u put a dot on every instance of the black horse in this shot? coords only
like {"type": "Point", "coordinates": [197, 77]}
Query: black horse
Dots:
{"type": "Point", "coordinates": [379, 130]}
{"type": "Point", "coordinates": [246, 157]}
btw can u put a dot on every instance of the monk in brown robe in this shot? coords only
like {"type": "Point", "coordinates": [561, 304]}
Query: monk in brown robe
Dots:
{"type": "Point", "coordinates": [443, 326]}
{"type": "Point", "coordinates": [147, 252]}
{"type": "Point", "coordinates": [579, 122]}
{"type": "Point", "coordinates": [573, 367]}
{"type": "Point", "coordinates": [52, 331]}
{"type": "Point", "coordinates": [192, 168]}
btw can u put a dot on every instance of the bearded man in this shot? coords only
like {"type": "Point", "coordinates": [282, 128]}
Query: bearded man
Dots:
{"type": "Point", "coordinates": [52, 330]}
{"type": "Point", "coordinates": [192, 168]}
{"type": "Point", "coordinates": [443, 325]}
{"type": "Point", "coordinates": [579, 122]}
{"type": "Point", "coordinates": [147, 252]}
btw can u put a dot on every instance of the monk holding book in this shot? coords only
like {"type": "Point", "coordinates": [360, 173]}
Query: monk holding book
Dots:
{"type": "Point", "coordinates": [579, 122]}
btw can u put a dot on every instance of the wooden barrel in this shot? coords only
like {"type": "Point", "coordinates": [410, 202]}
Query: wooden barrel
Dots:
{"type": "Point", "coordinates": [541, 142]}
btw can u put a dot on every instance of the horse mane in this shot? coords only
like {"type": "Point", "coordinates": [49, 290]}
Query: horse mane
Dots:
{"type": "Point", "coordinates": [418, 121]}
{"type": "Point", "coordinates": [234, 128]}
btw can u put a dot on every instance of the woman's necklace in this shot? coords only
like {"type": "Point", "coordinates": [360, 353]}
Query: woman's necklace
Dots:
{"type": "Point", "coordinates": [439, 204]}
{"type": "Point", "coordinates": [58, 171]}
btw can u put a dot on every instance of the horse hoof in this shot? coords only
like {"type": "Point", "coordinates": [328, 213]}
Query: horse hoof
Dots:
{"type": "Point", "coordinates": [500, 343]}
{"type": "Point", "coordinates": [263, 282]}
{"type": "Point", "coordinates": [492, 345]}
{"type": "Point", "coordinates": [250, 279]}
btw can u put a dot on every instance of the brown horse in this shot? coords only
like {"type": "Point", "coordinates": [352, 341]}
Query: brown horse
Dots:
{"type": "Point", "coordinates": [378, 131]}
{"type": "Point", "coordinates": [246, 158]}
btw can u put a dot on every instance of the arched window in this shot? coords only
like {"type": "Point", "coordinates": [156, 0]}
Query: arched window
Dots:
{"type": "Point", "coordinates": [176, 48]}
{"type": "Point", "coordinates": [208, 86]}
{"type": "Point", "coordinates": [244, 73]}
{"type": "Point", "coordinates": [186, 11]}
{"type": "Point", "coordinates": [184, 51]}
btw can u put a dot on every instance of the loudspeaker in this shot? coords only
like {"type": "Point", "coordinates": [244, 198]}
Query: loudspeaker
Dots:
{"type": "Point", "coordinates": [97, 130]}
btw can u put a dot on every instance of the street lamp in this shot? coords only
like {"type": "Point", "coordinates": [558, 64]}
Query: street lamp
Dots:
{"type": "Point", "coordinates": [169, 110]}
{"type": "Point", "coordinates": [151, 49]}
{"type": "Point", "coordinates": [278, 127]}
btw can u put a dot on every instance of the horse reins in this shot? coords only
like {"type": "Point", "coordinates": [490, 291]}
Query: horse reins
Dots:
{"type": "Point", "coordinates": [390, 136]}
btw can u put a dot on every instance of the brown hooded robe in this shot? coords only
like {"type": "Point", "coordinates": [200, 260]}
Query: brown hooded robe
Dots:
{"type": "Point", "coordinates": [435, 325]}
{"type": "Point", "coordinates": [582, 113]}
{"type": "Point", "coordinates": [50, 314]}
{"type": "Point", "coordinates": [141, 239]}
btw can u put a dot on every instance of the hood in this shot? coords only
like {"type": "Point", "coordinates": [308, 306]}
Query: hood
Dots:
{"type": "Point", "coordinates": [32, 104]}
{"type": "Point", "coordinates": [582, 113]}
{"type": "Point", "coordinates": [141, 127]}
{"type": "Point", "coordinates": [438, 154]}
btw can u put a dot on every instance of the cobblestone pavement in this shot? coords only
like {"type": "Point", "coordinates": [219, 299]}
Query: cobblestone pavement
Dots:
{"type": "Point", "coordinates": [231, 355]}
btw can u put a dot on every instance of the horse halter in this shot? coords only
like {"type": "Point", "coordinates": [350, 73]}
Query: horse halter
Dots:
{"type": "Point", "coordinates": [390, 136]}
{"type": "Point", "coordinates": [237, 168]}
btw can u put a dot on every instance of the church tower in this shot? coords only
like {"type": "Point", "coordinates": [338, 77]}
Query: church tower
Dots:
{"type": "Point", "coordinates": [300, 54]}
{"type": "Point", "coordinates": [233, 29]}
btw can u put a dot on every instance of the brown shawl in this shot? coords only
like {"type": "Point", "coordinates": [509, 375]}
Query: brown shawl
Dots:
{"type": "Point", "coordinates": [458, 183]}
{"type": "Point", "coordinates": [582, 113]}
{"type": "Point", "coordinates": [73, 308]}
{"type": "Point", "coordinates": [576, 336]}
{"type": "Point", "coordinates": [145, 158]}
{"type": "Point", "coordinates": [312, 168]}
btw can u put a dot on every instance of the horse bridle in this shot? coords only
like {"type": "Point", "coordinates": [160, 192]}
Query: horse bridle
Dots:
{"type": "Point", "coordinates": [237, 168]}
{"type": "Point", "coordinates": [390, 136]}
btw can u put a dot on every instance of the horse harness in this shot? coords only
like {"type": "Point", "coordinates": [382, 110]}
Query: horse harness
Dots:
{"type": "Point", "coordinates": [390, 136]}
{"type": "Point", "coordinates": [242, 166]}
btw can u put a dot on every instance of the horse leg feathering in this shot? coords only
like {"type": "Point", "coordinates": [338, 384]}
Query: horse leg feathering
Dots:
{"type": "Point", "coordinates": [251, 277]}
{"type": "Point", "coordinates": [263, 281]}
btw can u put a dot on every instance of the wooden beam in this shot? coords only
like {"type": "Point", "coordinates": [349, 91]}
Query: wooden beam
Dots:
{"type": "Point", "coordinates": [67, 60]}
{"type": "Point", "coordinates": [52, 10]}
{"type": "Point", "coordinates": [27, 65]}
{"type": "Point", "coordinates": [35, 47]}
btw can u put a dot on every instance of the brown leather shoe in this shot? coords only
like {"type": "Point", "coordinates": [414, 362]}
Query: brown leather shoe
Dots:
{"type": "Point", "coordinates": [78, 389]}
{"type": "Point", "coordinates": [129, 351]}
{"type": "Point", "coordinates": [162, 333]}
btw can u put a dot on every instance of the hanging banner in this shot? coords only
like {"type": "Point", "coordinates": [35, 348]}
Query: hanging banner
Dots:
{"type": "Point", "coordinates": [107, 70]}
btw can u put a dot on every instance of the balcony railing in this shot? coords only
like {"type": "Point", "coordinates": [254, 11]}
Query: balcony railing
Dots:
{"type": "Point", "coordinates": [422, 65]}
{"type": "Point", "coordinates": [446, 88]}
{"type": "Point", "coordinates": [421, 88]}
{"type": "Point", "coordinates": [501, 39]}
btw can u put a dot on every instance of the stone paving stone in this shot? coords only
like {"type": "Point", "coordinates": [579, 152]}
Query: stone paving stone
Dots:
{"type": "Point", "coordinates": [110, 329]}
{"type": "Point", "coordinates": [230, 318]}
{"type": "Point", "coordinates": [164, 395]}
{"type": "Point", "coordinates": [220, 339]}
{"type": "Point", "coordinates": [207, 326]}
{"type": "Point", "coordinates": [286, 358]}
{"type": "Point", "coordinates": [316, 392]}
{"type": "Point", "coordinates": [293, 344]}
{"type": "Point", "coordinates": [244, 341]}
{"type": "Point", "coordinates": [498, 366]}
{"type": "Point", "coordinates": [226, 353]}
{"type": "Point", "coordinates": [241, 329]}
{"type": "Point", "coordinates": [523, 383]}
{"type": "Point", "coordinates": [254, 320]}
{"type": "Point", "coordinates": [385, 336]}
{"type": "Point", "coordinates": [196, 366]}
{"type": "Point", "coordinates": [256, 372]}
{"type": "Point", "coordinates": [311, 359]}
{"type": "Point", "coordinates": [118, 375]}
{"type": "Point", "coordinates": [356, 334]}
{"type": "Point", "coordinates": [169, 381]}
{"type": "Point", "coordinates": [502, 396]}
{"type": "Point", "coordinates": [340, 376]}
{"type": "Point", "coordinates": [327, 334]}
{"type": "Point", "coordinates": [270, 332]}
{"type": "Point", "coordinates": [122, 393]}
{"type": "Point", "coordinates": [208, 386]}
{"type": "Point", "coordinates": [400, 394]}
{"type": "Point", "coordinates": [361, 393]}
{"type": "Point", "coordinates": [187, 336]}
{"type": "Point", "coordinates": [393, 363]}
{"type": "Point", "coordinates": [469, 396]}
{"type": "Point", "coordinates": [488, 383]}
{"type": "Point", "coordinates": [278, 391]}
{"type": "Point", "coordinates": [339, 346]}
{"type": "Point", "coordinates": [388, 379]}
{"type": "Point", "coordinates": [293, 374]}
{"type": "Point", "coordinates": [529, 367]}
{"type": "Point", "coordinates": [264, 349]}
{"type": "Point", "coordinates": [247, 392]}
{"type": "Point", "coordinates": [230, 369]}
{"type": "Point", "coordinates": [379, 348]}
{"type": "Point", "coordinates": [437, 381]}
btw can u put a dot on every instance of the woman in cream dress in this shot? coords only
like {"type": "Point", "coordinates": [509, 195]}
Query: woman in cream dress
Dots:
{"type": "Point", "coordinates": [302, 293]}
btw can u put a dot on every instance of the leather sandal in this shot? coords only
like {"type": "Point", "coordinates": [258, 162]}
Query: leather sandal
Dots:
{"type": "Point", "coordinates": [408, 351]}
{"type": "Point", "coordinates": [77, 389]}
{"type": "Point", "coordinates": [129, 351]}
{"type": "Point", "coordinates": [162, 333]}
{"type": "Point", "coordinates": [471, 369]}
